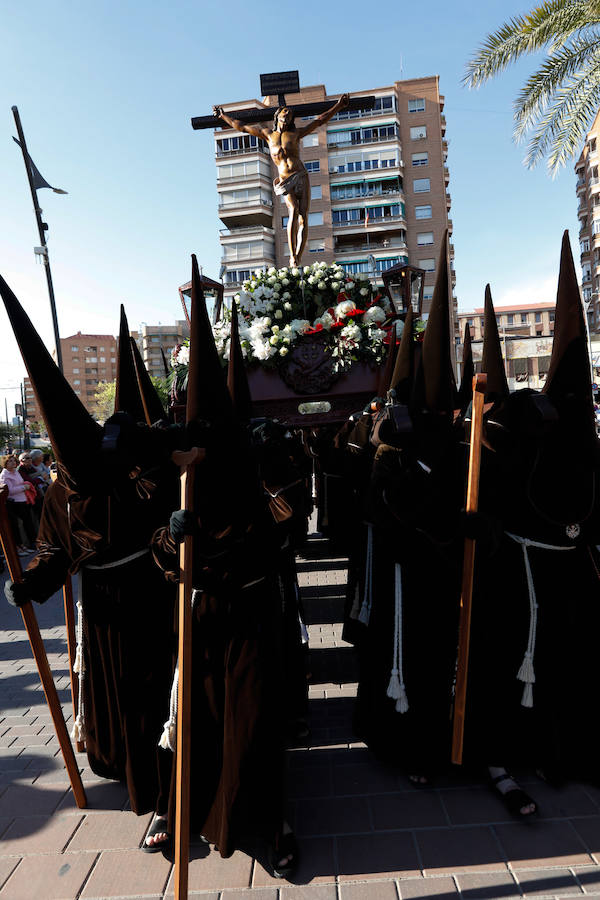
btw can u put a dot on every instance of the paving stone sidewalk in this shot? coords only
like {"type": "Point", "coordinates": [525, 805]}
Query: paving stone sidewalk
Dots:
{"type": "Point", "coordinates": [365, 833]}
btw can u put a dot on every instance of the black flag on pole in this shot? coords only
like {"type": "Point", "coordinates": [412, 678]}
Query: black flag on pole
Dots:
{"type": "Point", "coordinates": [38, 179]}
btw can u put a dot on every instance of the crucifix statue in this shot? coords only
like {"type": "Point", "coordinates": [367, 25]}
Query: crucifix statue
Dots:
{"type": "Point", "coordinates": [283, 139]}
{"type": "Point", "coordinates": [292, 181]}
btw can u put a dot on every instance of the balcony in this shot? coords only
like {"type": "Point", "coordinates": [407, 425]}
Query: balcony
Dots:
{"type": "Point", "coordinates": [246, 231]}
{"type": "Point", "coordinates": [580, 184]}
{"type": "Point", "coordinates": [446, 175]}
{"type": "Point", "coordinates": [246, 212]}
{"type": "Point", "coordinates": [378, 223]}
{"type": "Point", "coordinates": [369, 197]}
{"type": "Point", "coordinates": [389, 139]}
{"type": "Point", "coordinates": [252, 176]}
{"type": "Point", "coordinates": [353, 114]}
{"type": "Point", "coordinates": [370, 247]}
{"type": "Point", "coordinates": [243, 151]}
{"type": "Point", "coordinates": [448, 200]}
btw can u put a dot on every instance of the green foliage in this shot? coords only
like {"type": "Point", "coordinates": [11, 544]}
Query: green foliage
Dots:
{"type": "Point", "coordinates": [162, 389]}
{"type": "Point", "coordinates": [104, 400]}
{"type": "Point", "coordinates": [557, 104]}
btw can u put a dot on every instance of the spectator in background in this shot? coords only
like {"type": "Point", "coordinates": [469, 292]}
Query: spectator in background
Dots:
{"type": "Point", "coordinates": [17, 505]}
{"type": "Point", "coordinates": [39, 470]}
{"type": "Point", "coordinates": [27, 473]}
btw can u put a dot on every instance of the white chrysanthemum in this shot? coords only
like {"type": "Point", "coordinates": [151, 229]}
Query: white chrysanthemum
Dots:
{"type": "Point", "coordinates": [276, 285]}
{"type": "Point", "coordinates": [295, 272]}
{"type": "Point", "coordinates": [311, 279]}
{"type": "Point", "coordinates": [307, 269]}
{"type": "Point", "coordinates": [283, 351]}
{"type": "Point", "coordinates": [299, 326]}
{"type": "Point", "coordinates": [287, 305]}
{"type": "Point", "coordinates": [183, 356]}
{"type": "Point", "coordinates": [374, 315]}
{"type": "Point", "coordinates": [274, 339]}
{"type": "Point", "coordinates": [321, 285]}
{"type": "Point", "coordinates": [335, 285]}
{"type": "Point", "coordinates": [275, 329]}
{"type": "Point", "coordinates": [349, 285]}
{"type": "Point", "coordinates": [377, 334]}
{"type": "Point", "coordinates": [285, 281]}
{"type": "Point", "coordinates": [286, 295]}
{"type": "Point", "coordinates": [278, 315]}
{"type": "Point", "coordinates": [351, 333]}
{"type": "Point", "coordinates": [343, 308]}
{"type": "Point", "coordinates": [325, 320]}
{"type": "Point", "coordinates": [258, 272]}
{"type": "Point", "coordinates": [364, 292]}
{"type": "Point", "coordinates": [261, 349]}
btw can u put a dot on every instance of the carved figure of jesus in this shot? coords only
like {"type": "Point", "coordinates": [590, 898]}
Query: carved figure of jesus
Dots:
{"type": "Point", "coordinates": [292, 180]}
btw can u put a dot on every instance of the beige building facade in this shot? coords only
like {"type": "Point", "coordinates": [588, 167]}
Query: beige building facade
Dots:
{"type": "Point", "coordinates": [588, 212]}
{"type": "Point", "coordinates": [378, 178]}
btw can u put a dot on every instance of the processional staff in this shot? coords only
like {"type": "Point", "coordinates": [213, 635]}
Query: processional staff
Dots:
{"type": "Point", "coordinates": [39, 654]}
{"type": "Point", "coordinates": [460, 697]}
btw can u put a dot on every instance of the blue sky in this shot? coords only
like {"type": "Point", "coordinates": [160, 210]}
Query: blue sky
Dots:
{"type": "Point", "coordinates": [106, 92]}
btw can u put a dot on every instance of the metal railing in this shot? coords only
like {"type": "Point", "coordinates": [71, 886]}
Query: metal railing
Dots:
{"type": "Point", "coordinates": [240, 204]}
{"type": "Point", "coordinates": [239, 152]}
{"type": "Point", "coordinates": [373, 140]}
{"type": "Point", "coordinates": [244, 229]}
{"type": "Point", "coordinates": [373, 222]}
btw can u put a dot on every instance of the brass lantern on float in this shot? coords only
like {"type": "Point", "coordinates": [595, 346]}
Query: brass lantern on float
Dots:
{"type": "Point", "coordinates": [404, 286]}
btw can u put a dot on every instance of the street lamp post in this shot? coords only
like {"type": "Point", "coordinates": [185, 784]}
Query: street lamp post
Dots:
{"type": "Point", "coordinates": [42, 233]}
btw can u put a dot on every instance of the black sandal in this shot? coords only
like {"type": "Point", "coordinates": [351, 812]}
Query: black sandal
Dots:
{"type": "Point", "coordinates": [157, 826]}
{"type": "Point", "coordinates": [515, 799]}
{"type": "Point", "coordinates": [285, 845]}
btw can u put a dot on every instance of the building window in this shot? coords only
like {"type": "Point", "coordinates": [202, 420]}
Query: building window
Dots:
{"type": "Point", "coordinates": [311, 140]}
{"type": "Point", "coordinates": [538, 317]}
{"type": "Point", "coordinates": [417, 105]}
{"type": "Point", "coordinates": [427, 264]}
{"type": "Point", "coordinates": [420, 159]}
{"type": "Point", "coordinates": [424, 238]}
{"type": "Point", "coordinates": [524, 318]}
{"type": "Point", "coordinates": [316, 192]}
{"type": "Point", "coordinates": [471, 323]}
{"type": "Point", "coordinates": [510, 319]}
{"type": "Point", "coordinates": [313, 165]}
{"type": "Point", "coordinates": [315, 218]}
{"type": "Point", "coordinates": [76, 381]}
{"type": "Point", "coordinates": [102, 359]}
{"type": "Point", "coordinates": [593, 145]}
{"type": "Point", "coordinates": [74, 349]}
{"type": "Point", "coordinates": [584, 245]}
{"type": "Point", "coordinates": [418, 132]}
{"type": "Point", "coordinates": [317, 246]}
{"type": "Point", "coordinates": [421, 185]}
{"type": "Point", "coordinates": [551, 316]}
{"type": "Point", "coordinates": [422, 212]}
{"type": "Point", "coordinates": [75, 371]}
{"type": "Point", "coordinates": [74, 359]}
{"type": "Point", "coordinates": [427, 295]}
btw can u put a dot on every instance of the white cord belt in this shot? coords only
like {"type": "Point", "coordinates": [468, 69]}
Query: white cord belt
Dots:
{"type": "Point", "coordinates": [526, 673]}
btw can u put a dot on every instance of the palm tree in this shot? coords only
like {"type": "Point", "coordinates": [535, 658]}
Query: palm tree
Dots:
{"type": "Point", "coordinates": [557, 104]}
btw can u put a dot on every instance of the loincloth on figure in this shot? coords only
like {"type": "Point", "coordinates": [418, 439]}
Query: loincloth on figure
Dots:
{"type": "Point", "coordinates": [294, 184]}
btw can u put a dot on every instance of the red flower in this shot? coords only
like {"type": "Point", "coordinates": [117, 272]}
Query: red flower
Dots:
{"type": "Point", "coordinates": [341, 296]}
{"type": "Point", "coordinates": [337, 325]}
{"type": "Point", "coordinates": [354, 312]}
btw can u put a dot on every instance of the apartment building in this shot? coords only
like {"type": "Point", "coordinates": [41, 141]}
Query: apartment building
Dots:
{"type": "Point", "coordinates": [153, 338]}
{"type": "Point", "coordinates": [378, 179]}
{"type": "Point", "coordinates": [588, 212]}
{"type": "Point", "coordinates": [526, 333]}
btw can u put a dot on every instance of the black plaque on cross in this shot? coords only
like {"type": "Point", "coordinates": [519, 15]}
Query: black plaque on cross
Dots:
{"type": "Point", "coordinates": [279, 83]}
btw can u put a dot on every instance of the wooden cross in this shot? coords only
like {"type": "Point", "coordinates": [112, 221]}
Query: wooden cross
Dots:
{"type": "Point", "coordinates": [278, 83]}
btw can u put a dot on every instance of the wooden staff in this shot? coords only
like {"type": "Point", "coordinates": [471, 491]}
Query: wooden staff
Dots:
{"type": "Point", "coordinates": [72, 648]}
{"type": "Point", "coordinates": [184, 699]}
{"type": "Point", "coordinates": [464, 632]}
{"type": "Point", "coordinates": [39, 654]}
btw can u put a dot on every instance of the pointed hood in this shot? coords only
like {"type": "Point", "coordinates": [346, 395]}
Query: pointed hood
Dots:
{"type": "Point", "coordinates": [492, 363]}
{"type": "Point", "coordinates": [465, 391]}
{"type": "Point", "coordinates": [207, 394]}
{"type": "Point", "coordinates": [153, 408]}
{"type": "Point", "coordinates": [387, 370]}
{"type": "Point", "coordinates": [569, 371]}
{"type": "Point", "coordinates": [165, 364]}
{"type": "Point", "coordinates": [237, 379]}
{"type": "Point", "coordinates": [73, 433]}
{"type": "Point", "coordinates": [435, 390]}
{"type": "Point", "coordinates": [127, 393]}
{"type": "Point", "coordinates": [404, 369]}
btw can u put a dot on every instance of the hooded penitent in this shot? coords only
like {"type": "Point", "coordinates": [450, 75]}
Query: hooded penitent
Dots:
{"type": "Point", "coordinates": [491, 362]}
{"type": "Point", "coordinates": [403, 374]}
{"type": "Point", "coordinates": [386, 373]}
{"type": "Point", "coordinates": [61, 409]}
{"type": "Point", "coordinates": [237, 379]}
{"type": "Point", "coordinates": [127, 392]}
{"type": "Point", "coordinates": [435, 388]}
{"type": "Point", "coordinates": [568, 383]}
{"type": "Point", "coordinates": [153, 408]}
{"type": "Point", "coordinates": [465, 391]}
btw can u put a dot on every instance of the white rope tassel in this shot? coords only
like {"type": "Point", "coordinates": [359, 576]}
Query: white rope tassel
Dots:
{"type": "Point", "coordinates": [365, 610]}
{"type": "Point", "coordinates": [78, 730]}
{"type": "Point", "coordinates": [526, 672]}
{"type": "Point", "coordinates": [396, 688]}
{"type": "Point", "coordinates": [168, 737]}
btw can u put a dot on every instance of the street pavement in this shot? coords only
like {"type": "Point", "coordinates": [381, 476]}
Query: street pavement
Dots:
{"type": "Point", "coordinates": [365, 832]}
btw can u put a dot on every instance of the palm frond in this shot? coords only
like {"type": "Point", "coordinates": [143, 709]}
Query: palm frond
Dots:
{"type": "Point", "coordinates": [562, 127]}
{"type": "Point", "coordinates": [552, 22]}
{"type": "Point", "coordinates": [540, 88]}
